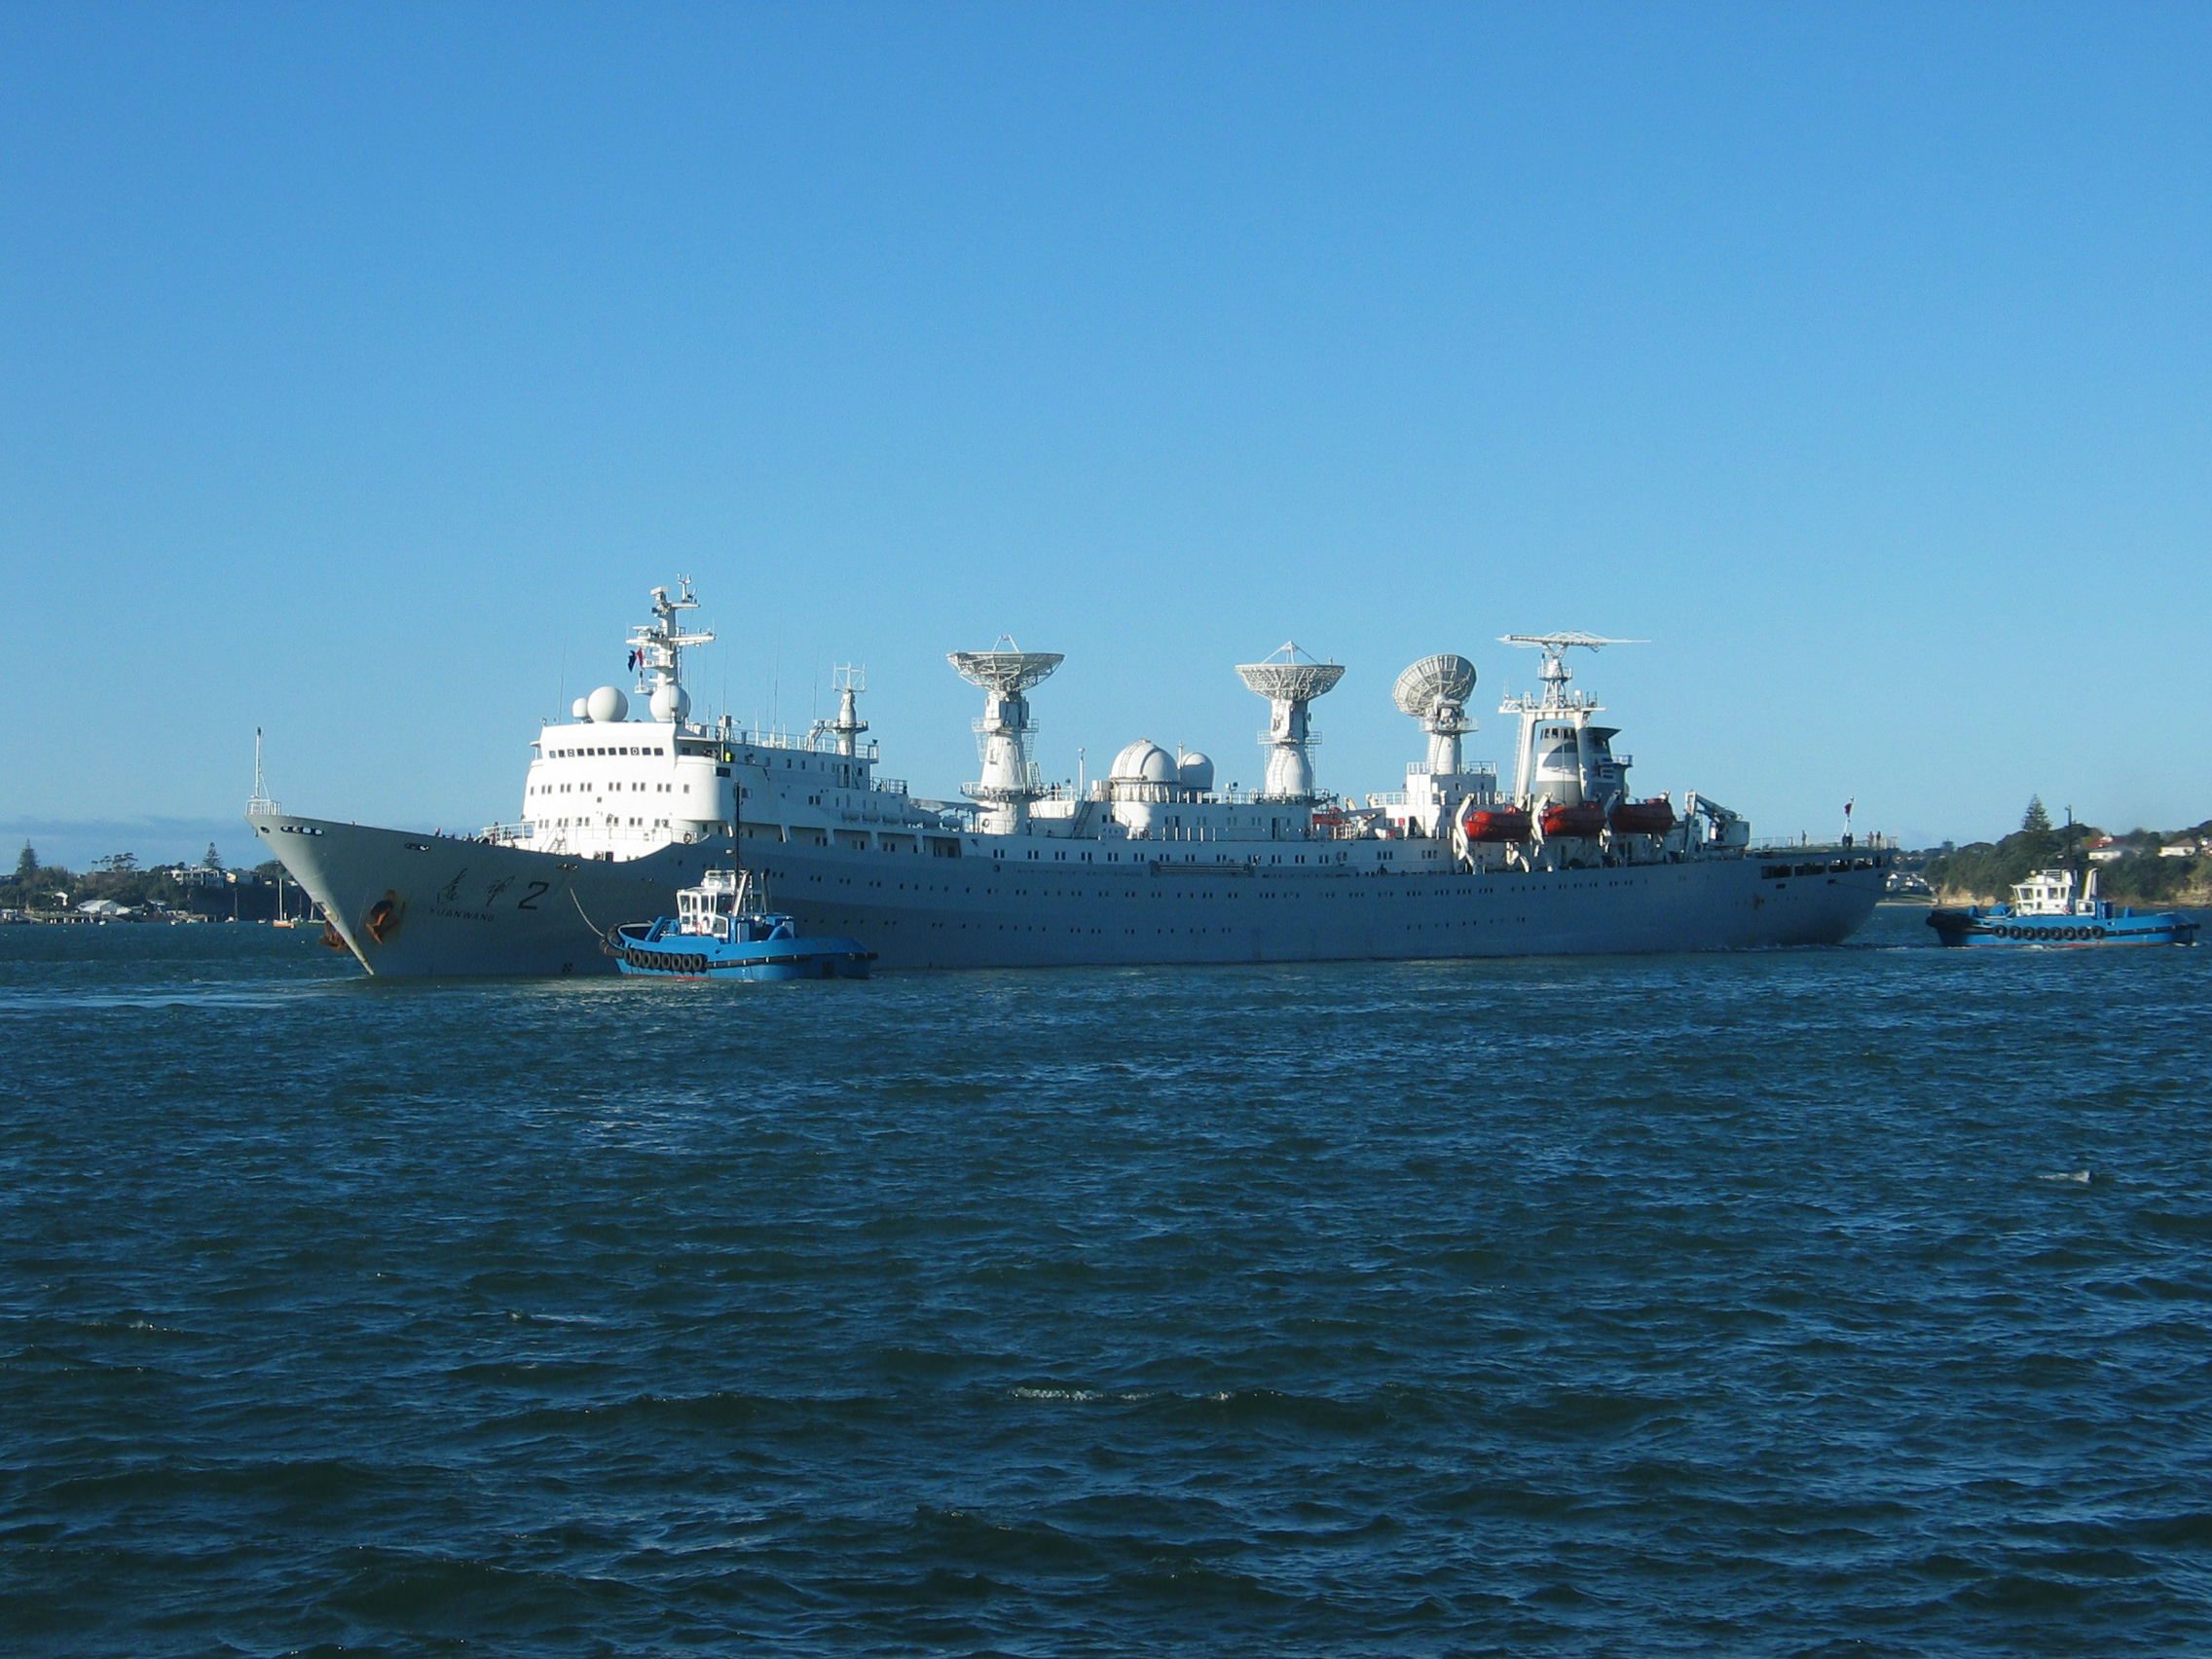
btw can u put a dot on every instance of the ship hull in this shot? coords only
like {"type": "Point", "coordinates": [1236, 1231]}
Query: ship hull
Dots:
{"type": "Point", "coordinates": [416, 906]}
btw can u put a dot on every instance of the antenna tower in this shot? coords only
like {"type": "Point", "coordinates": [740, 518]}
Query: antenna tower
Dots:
{"type": "Point", "coordinates": [1004, 735]}
{"type": "Point", "coordinates": [660, 644]}
{"type": "Point", "coordinates": [258, 804]}
{"type": "Point", "coordinates": [1289, 680]}
{"type": "Point", "coordinates": [850, 681]}
{"type": "Point", "coordinates": [1434, 691]}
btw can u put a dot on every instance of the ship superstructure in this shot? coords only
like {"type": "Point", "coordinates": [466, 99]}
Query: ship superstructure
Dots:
{"type": "Point", "coordinates": [1152, 863]}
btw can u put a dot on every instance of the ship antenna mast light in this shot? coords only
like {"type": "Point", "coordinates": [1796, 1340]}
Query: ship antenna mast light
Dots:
{"type": "Point", "coordinates": [849, 682]}
{"type": "Point", "coordinates": [258, 804]}
{"type": "Point", "coordinates": [1289, 680]}
{"type": "Point", "coordinates": [1555, 702]}
{"type": "Point", "coordinates": [1435, 692]}
{"type": "Point", "coordinates": [1005, 673]}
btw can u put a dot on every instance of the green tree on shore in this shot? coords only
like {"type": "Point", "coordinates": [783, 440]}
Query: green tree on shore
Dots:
{"type": "Point", "coordinates": [1988, 872]}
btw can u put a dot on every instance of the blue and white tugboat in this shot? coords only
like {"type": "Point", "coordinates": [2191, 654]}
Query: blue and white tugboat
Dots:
{"type": "Point", "coordinates": [2045, 910]}
{"type": "Point", "coordinates": [722, 931]}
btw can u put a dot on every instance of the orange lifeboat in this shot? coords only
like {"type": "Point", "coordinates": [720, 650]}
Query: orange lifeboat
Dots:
{"type": "Point", "coordinates": [1644, 817]}
{"type": "Point", "coordinates": [1495, 824]}
{"type": "Point", "coordinates": [1584, 820]}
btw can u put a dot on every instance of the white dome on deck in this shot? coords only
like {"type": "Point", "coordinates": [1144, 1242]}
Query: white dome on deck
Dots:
{"type": "Point", "coordinates": [1195, 771]}
{"type": "Point", "coordinates": [608, 704]}
{"type": "Point", "coordinates": [1144, 762]}
{"type": "Point", "coordinates": [671, 702]}
{"type": "Point", "coordinates": [580, 709]}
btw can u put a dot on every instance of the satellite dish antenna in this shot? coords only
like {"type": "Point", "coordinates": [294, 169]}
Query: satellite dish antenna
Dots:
{"type": "Point", "coordinates": [1004, 670]}
{"type": "Point", "coordinates": [1433, 681]}
{"type": "Point", "coordinates": [1290, 679]}
{"type": "Point", "coordinates": [1434, 691]}
{"type": "Point", "coordinates": [1004, 736]}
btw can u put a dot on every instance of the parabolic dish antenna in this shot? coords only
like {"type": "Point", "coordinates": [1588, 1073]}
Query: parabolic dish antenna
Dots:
{"type": "Point", "coordinates": [1290, 675]}
{"type": "Point", "coordinates": [1435, 679]}
{"type": "Point", "coordinates": [1004, 670]}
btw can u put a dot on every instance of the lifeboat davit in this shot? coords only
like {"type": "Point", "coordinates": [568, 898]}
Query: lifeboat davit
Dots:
{"type": "Point", "coordinates": [1644, 817]}
{"type": "Point", "coordinates": [1495, 824]}
{"type": "Point", "coordinates": [1584, 820]}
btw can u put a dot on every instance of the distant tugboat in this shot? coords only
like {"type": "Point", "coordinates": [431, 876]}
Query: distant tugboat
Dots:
{"type": "Point", "coordinates": [2045, 911]}
{"type": "Point", "coordinates": [720, 931]}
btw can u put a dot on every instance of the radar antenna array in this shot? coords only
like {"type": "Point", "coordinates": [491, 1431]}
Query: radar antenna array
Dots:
{"type": "Point", "coordinates": [1555, 673]}
{"type": "Point", "coordinates": [1553, 643]}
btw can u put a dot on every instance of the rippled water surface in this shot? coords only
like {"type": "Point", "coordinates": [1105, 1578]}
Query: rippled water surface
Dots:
{"type": "Point", "coordinates": [1803, 1303]}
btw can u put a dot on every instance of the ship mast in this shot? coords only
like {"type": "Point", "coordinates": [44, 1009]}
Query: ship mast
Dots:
{"type": "Point", "coordinates": [1556, 702]}
{"type": "Point", "coordinates": [258, 804]}
{"type": "Point", "coordinates": [659, 646]}
{"type": "Point", "coordinates": [851, 681]}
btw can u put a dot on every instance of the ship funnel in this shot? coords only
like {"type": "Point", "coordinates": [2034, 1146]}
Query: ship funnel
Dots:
{"type": "Point", "coordinates": [1010, 781]}
{"type": "Point", "coordinates": [1561, 757]}
{"type": "Point", "coordinates": [1290, 681]}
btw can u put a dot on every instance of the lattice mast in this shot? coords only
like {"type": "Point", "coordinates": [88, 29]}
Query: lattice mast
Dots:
{"type": "Point", "coordinates": [1289, 680]}
{"type": "Point", "coordinates": [1004, 735]}
{"type": "Point", "coordinates": [259, 805]}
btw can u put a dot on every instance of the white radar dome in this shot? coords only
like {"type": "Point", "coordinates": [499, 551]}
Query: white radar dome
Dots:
{"type": "Point", "coordinates": [580, 709]}
{"type": "Point", "coordinates": [608, 704]}
{"type": "Point", "coordinates": [1144, 762]}
{"type": "Point", "coordinates": [671, 702]}
{"type": "Point", "coordinates": [1195, 771]}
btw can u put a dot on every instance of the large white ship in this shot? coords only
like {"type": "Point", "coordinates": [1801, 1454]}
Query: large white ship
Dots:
{"type": "Point", "coordinates": [1152, 864]}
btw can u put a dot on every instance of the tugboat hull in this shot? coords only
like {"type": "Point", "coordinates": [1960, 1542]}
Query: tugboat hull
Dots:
{"type": "Point", "coordinates": [1984, 931]}
{"type": "Point", "coordinates": [683, 958]}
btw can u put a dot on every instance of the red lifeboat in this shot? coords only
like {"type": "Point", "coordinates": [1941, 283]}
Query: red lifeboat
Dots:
{"type": "Point", "coordinates": [1653, 817]}
{"type": "Point", "coordinates": [1584, 820]}
{"type": "Point", "coordinates": [1495, 824]}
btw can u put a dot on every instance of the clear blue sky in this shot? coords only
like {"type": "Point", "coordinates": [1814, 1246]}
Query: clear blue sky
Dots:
{"type": "Point", "coordinates": [361, 367]}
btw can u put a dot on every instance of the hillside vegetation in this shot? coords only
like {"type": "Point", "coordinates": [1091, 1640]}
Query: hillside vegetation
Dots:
{"type": "Point", "coordinates": [46, 889]}
{"type": "Point", "coordinates": [1984, 873]}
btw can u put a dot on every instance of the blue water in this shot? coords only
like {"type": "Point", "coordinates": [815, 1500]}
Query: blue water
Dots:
{"type": "Point", "coordinates": [1803, 1303]}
